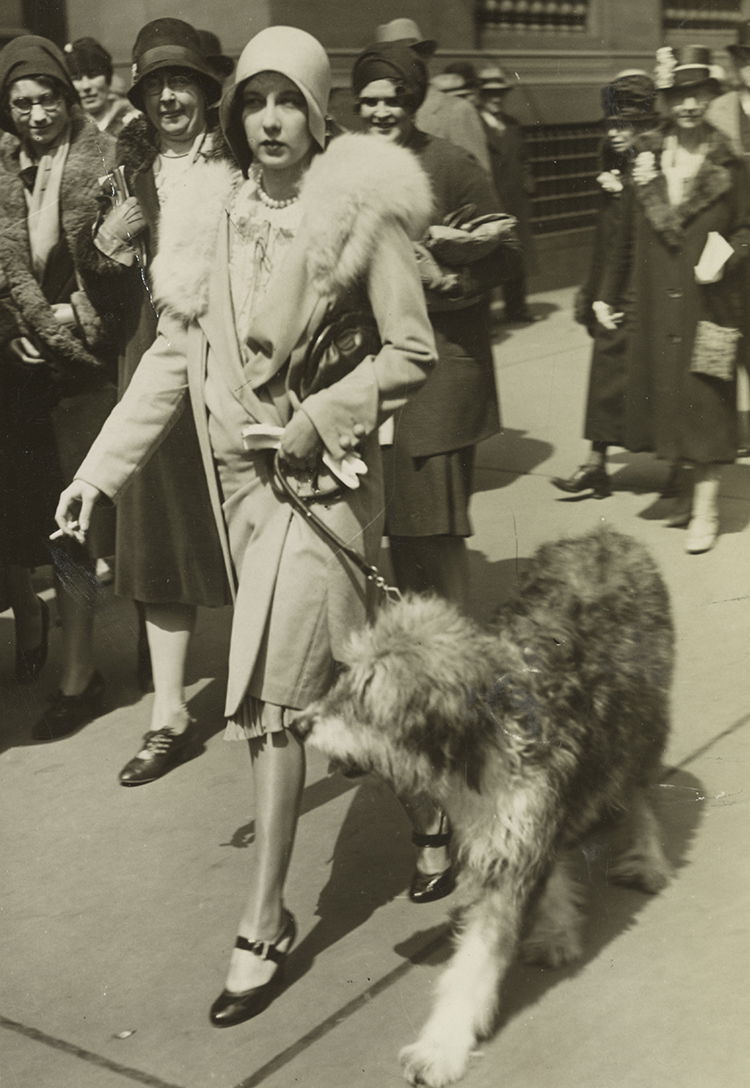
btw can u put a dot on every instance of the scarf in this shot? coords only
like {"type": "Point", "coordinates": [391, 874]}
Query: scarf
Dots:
{"type": "Point", "coordinates": [43, 203]}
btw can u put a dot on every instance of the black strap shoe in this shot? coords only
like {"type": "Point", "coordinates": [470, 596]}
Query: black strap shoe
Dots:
{"type": "Point", "coordinates": [162, 750]}
{"type": "Point", "coordinates": [591, 478]}
{"type": "Point", "coordinates": [234, 1008]}
{"type": "Point", "coordinates": [68, 713]}
{"type": "Point", "coordinates": [427, 887]}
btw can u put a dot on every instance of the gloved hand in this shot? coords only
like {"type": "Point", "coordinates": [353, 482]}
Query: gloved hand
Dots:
{"type": "Point", "coordinates": [124, 222]}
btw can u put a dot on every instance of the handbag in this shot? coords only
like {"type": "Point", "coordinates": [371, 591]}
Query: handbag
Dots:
{"type": "Point", "coordinates": [715, 351]}
{"type": "Point", "coordinates": [339, 343]}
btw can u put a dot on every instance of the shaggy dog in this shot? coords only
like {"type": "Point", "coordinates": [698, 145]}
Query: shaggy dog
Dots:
{"type": "Point", "coordinates": [529, 734]}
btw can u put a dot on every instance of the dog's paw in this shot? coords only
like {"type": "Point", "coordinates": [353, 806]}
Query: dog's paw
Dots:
{"type": "Point", "coordinates": [634, 871]}
{"type": "Point", "coordinates": [433, 1064]}
{"type": "Point", "coordinates": [551, 949]}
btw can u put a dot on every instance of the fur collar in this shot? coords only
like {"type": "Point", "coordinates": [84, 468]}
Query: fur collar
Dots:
{"type": "Point", "coordinates": [349, 191]}
{"type": "Point", "coordinates": [137, 145]}
{"type": "Point", "coordinates": [711, 182]}
{"type": "Point", "coordinates": [89, 156]}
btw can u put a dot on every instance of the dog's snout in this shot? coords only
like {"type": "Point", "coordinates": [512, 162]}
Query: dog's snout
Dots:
{"type": "Point", "coordinates": [301, 725]}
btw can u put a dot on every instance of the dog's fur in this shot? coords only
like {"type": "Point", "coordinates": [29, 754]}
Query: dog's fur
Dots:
{"type": "Point", "coordinates": [529, 734]}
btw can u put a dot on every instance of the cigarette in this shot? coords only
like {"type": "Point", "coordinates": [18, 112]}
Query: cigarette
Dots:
{"type": "Point", "coordinates": [58, 533]}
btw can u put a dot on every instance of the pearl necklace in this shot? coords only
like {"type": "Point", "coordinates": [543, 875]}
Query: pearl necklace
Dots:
{"type": "Point", "coordinates": [269, 200]}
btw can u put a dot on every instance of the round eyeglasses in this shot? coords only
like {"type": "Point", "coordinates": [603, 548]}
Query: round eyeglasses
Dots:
{"type": "Point", "coordinates": [49, 101]}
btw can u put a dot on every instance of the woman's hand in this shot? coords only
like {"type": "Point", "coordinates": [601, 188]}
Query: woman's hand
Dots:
{"type": "Point", "coordinates": [300, 442]}
{"type": "Point", "coordinates": [606, 316]}
{"type": "Point", "coordinates": [24, 350]}
{"type": "Point", "coordinates": [64, 313]}
{"type": "Point", "coordinates": [124, 222]}
{"type": "Point", "coordinates": [74, 510]}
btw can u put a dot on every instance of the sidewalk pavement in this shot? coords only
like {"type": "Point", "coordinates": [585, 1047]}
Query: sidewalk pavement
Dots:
{"type": "Point", "coordinates": [119, 906]}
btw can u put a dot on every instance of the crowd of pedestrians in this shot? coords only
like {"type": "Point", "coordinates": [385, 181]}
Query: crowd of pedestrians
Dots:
{"type": "Point", "coordinates": [293, 316]}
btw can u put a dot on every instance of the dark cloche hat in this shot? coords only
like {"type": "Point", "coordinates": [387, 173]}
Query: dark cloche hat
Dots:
{"type": "Point", "coordinates": [170, 43]}
{"type": "Point", "coordinates": [741, 48]}
{"type": "Point", "coordinates": [691, 67]}
{"type": "Point", "coordinates": [630, 96]}
{"type": "Point", "coordinates": [86, 57]}
{"type": "Point", "coordinates": [212, 51]}
{"type": "Point", "coordinates": [28, 57]}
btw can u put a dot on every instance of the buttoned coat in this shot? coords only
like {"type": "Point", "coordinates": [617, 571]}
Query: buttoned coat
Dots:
{"type": "Point", "coordinates": [678, 414]}
{"type": "Point", "coordinates": [295, 597]}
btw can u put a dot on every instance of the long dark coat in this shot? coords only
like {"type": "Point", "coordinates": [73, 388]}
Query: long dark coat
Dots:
{"type": "Point", "coordinates": [606, 388]}
{"type": "Point", "coordinates": [168, 549]}
{"type": "Point", "coordinates": [52, 413]}
{"type": "Point", "coordinates": [512, 176]}
{"type": "Point", "coordinates": [678, 414]}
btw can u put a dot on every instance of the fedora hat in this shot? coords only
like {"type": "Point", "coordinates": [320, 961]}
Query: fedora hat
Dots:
{"type": "Point", "coordinates": [212, 51]}
{"type": "Point", "coordinates": [741, 48]}
{"type": "Point", "coordinates": [170, 43]}
{"type": "Point", "coordinates": [493, 78]}
{"type": "Point", "coordinates": [688, 68]}
{"type": "Point", "coordinates": [406, 30]}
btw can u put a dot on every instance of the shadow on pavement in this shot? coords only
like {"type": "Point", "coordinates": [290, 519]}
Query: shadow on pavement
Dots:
{"type": "Point", "coordinates": [506, 456]}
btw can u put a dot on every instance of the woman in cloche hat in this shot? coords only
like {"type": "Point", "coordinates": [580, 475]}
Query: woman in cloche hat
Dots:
{"type": "Point", "coordinates": [251, 272]}
{"type": "Point", "coordinates": [628, 104]}
{"type": "Point", "coordinates": [684, 237]}
{"type": "Point", "coordinates": [174, 139]}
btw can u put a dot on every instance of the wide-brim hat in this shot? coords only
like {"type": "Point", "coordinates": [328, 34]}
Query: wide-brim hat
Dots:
{"type": "Point", "coordinates": [451, 83]}
{"type": "Point", "coordinates": [631, 96]}
{"type": "Point", "coordinates": [688, 69]}
{"type": "Point", "coordinates": [298, 56]}
{"type": "Point", "coordinates": [406, 30]}
{"type": "Point", "coordinates": [212, 50]}
{"type": "Point", "coordinates": [493, 78]}
{"type": "Point", "coordinates": [170, 43]}
{"type": "Point", "coordinates": [740, 48]}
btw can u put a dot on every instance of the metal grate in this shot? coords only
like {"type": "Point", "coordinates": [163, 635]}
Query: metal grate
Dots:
{"type": "Point", "coordinates": [702, 14]}
{"type": "Point", "coordinates": [564, 161]}
{"type": "Point", "coordinates": [533, 16]}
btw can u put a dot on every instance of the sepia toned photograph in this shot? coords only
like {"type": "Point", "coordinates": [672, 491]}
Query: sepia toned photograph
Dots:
{"type": "Point", "coordinates": [374, 566]}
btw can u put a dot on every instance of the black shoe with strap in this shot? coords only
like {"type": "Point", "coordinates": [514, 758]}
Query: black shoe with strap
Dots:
{"type": "Point", "coordinates": [234, 1008]}
{"type": "Point", "coordinates": [162, 750]}
{"type": "Point", "coordinates": [68, 713]}
{"type": "Point", "coordinates": [591, 478]}
{"type": "Point", "coordinates": [428, 887]}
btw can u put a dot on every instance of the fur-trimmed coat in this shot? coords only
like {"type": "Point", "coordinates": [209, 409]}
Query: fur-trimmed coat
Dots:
{"type": "Point", "coordinates": [76, 358]}
{"type": "Point", "coordinates": [295, 599]}
{"type": "Point", "coordinates": [182, 563]}
{"type": "Point", "coordinates": [668, 409]}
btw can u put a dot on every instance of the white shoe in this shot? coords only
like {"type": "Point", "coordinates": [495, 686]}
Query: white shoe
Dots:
{"type": "Point", "coordinates": [702, 533]}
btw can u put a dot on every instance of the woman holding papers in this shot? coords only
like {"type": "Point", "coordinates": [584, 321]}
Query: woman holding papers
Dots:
{"type": "Point", "coordinates": [276, 293]}
{"type": "Point", "coordinates": [686, 228]}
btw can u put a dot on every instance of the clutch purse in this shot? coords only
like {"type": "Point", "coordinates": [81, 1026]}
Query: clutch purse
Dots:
{"type": "Point", "coordinates": [715, 351]}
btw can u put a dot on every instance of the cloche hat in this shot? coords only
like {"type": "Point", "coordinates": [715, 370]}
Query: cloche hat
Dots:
{"type": "Point", "coordinates": [170, 43]}
{"type": "Point", "coordinates": [298, 56]}
{"type": "Point", "coordinates": [27, 57]}
{"type": "Point", "coordinates": [630, 96]}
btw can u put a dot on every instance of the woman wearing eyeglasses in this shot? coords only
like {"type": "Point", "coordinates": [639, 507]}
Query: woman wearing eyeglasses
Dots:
{"type": "Point", "coordinates": [55, 383]}
{"type": "Point", "coordinates": [168, 554]}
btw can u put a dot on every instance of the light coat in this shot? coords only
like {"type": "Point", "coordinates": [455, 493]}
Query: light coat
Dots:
{"type": "Point", "coordinates": [293, 595]}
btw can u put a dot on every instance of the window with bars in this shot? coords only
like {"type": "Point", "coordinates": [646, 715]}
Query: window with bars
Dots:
{"type": "Point", "coordinates": [564, 161]}
{"type": "Point", "coordinates": [533, 16]}
{"type": "Point", "coordinates": [702, 14]}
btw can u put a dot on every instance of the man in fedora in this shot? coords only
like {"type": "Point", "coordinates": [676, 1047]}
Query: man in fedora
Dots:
{"type": "Point", "coordinates": [730, 113]}
{"type": "Point", "coordinates": [513, 179]}
{"type": "Point", "coordinates": [440, 114]}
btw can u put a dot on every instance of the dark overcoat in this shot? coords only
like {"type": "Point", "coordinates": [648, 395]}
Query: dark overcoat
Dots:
{"type": "Point", "coordinates": [606, 388]}
{"type": "Point", "coordinates": [54, 411]}
{"type": "Point", "coordinates": [678, 414]}
{"type": "Point", "coordinates": [512, 176]}
{"type": "Point", "coordinates": [181, 563]}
